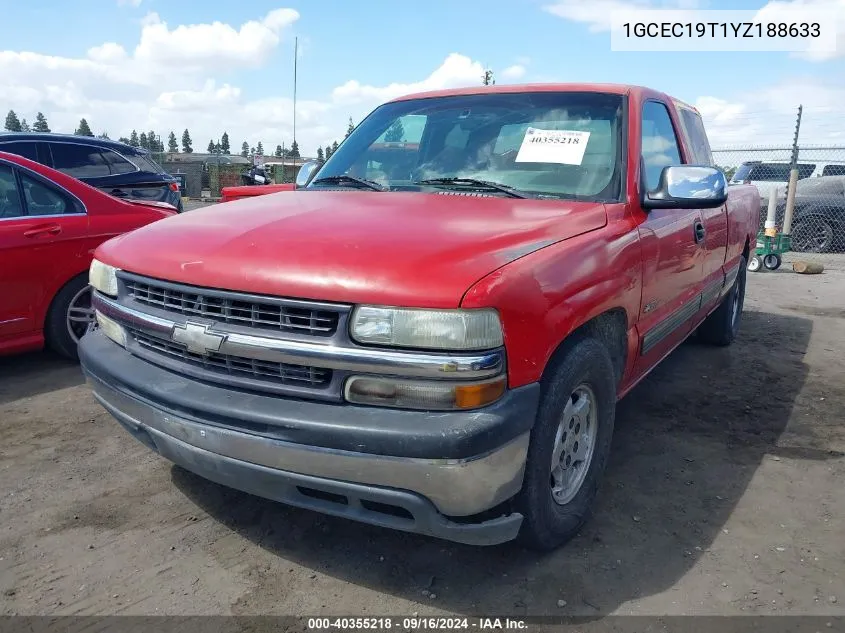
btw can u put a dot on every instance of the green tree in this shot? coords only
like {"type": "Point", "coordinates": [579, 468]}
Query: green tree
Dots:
{"type": "Point", "coordinates": [487, 78]}
{"type": "Point", "coordinates": [25, 126]}
{"type": "Point", "coordinates": [104, 135]}
{"type": "Point", "coordinates": [172, 144]}
{"type": "Point", "coordinates": [123, 140]}
{"type": "Point", "coordinates": [395, 133]}
{"type": "Point", "coordinates": [40, 124]}
{"type": "Point", "coordinates": [259, 149]}
{"type": "Point", "coordinates": [334, 147]}
{"type": "Point", "coordinates": [320, 155]}
{"type": "Point", "coordinates": [84, 129]}
{"type": "Point", "coordinates": [13, 124]}
{"type": "Point", "coordinates": [224, 144]}
{"type": "Point", "coordinates": [186, 142]}
{"type": "Point", "coordinates": [133, 139]}
{"type": "Point", "coordinates": [143, 141]}
{"type": "Point", "coordinates": [328, 151]}
{"type": "Point", "coordinates": [152, 142]}
{"type": "Point", "coordinates": [211, 147]}
{"type": "Point", "coordinates": [278, 152]}
{"type": "Point", "coordinates": [294, 150]}
{"type": "Point", "coordinates": [350, 127]}
{"type": "Point", "coordinates": [245, 149]}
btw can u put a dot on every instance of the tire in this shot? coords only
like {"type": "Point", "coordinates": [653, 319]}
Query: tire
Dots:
{"type": "Point", "coordinates": [772, 261]}
{"type": "Point", "coordinates": [57, 329]}
{"type": "Point", "coordinates": [721, 327]}
{"type": "Point", "coordinates": [755, 264]}
{"type": "Point", "coordinates": [548, 523]}
{"type": "Point", "coordinates": [813, 234]}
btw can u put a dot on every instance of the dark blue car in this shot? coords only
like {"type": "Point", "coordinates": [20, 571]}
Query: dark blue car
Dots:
{"type": "Point", "coordinates": [118, 169]}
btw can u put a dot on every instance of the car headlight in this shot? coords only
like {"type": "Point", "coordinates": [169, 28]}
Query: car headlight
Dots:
{"type": "Point", "coordinates": [103, 278]}
{"type": "Point", "coordinates": [427, 329]}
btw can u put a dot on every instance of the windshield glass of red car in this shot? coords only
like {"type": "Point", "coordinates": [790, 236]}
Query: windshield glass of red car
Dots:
{"type": "Point", "coordinates": [563, 144]}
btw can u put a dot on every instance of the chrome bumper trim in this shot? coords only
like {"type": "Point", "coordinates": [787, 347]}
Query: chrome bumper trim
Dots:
{"type": "Point", "coordinates": [456, 487]}
{"type": "Point", "coordinates": [357, 359]}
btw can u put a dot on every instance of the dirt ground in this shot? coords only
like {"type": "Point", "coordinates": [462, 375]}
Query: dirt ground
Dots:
{"type": "Point", "coordinates": [724, 496]}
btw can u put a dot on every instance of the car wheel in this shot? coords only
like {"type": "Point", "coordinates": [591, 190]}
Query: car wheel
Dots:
{"type": "Point", "coordinates": [721, 327]}
{"type": "Point", "coordinates": [569, 446]}
{"type": "Point", "coordinates": [813, 234]}
{"type": "Point", "coordinates": [69, 317]}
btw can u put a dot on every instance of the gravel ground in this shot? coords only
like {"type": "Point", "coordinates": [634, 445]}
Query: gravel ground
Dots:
{"type": "Point", "coordinates": [723, 496]}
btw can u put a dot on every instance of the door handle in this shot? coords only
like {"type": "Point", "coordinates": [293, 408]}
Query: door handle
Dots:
{"type": "Point", "coordinates": [118, 193]}
{"type": "Point", "coordinates": [698, 227]}
{"type": "Point", "coordinates": [49, 229]}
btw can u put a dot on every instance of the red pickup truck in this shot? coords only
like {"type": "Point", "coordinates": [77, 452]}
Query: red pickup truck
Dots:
{"type": "Point", "coordinates": [434, 340]}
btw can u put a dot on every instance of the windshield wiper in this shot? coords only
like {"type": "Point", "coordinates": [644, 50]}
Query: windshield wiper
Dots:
{"type": "Point", "coordinates": [344, 179]}
{"type": "Point", "coordinates": [472, 182]}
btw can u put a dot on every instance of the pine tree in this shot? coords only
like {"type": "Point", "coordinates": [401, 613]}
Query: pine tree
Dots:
{"type": "Point", "coordinates": [328, 151]}
{"type": "Point", "coordinates": [152, 142]}
{"type": "Point", "coordinates": [245, 149]}
{"type": "Point", "coordinates": [224, 144]}
{"type": "Point", "coordinates": [13, 124]}
{"type": "Point", "coordinates": [133, 139]}
{"type": "Point", "coordinates": [395, 133]}
{"type": "Point", "coordinates": [172, 145]}
{"type": "Point", "coordinates": [25, 126]}
{"type": "Point", "coordinates": [104, 135]}
{"type": "Point", "coordinates": [350, 128]}
{"type": "Point", "coordinates": [123, 140]}
{"type": "Point", "coordinates": [143, 142]}
{"type": "Point", "coordinates": [259, 149]}
{"type": "Point", "coordinates": [40, 124]}
{"type": "Point", "coordinates": [334, 147]}
{"type": "Point", "coordinates": [84, 129]}
{"type": "Point", "coordinates": [278, 152]}
{"type": "Point", "coordinates": [294, 150]}
{"type": "Point", "coordinates": [186, 142]}
{"type": "Point", "coordinates": [487, 78]}
{"type": "Point", "coordinates": [211, 147]}
{"type": "Point", "coordinates": [320, 154]}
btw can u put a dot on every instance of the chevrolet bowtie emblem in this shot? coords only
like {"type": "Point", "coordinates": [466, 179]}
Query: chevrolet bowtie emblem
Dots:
{"type": "Point", "coordinates": [197, 338]}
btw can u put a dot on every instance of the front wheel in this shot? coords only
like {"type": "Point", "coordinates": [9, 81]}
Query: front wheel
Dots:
{"type": "Point", "coordinates": [721, 327]}
{"type": "Point", "coordinates": [569, 446]}
{"type": "Point", "coordinates": [69, 317]}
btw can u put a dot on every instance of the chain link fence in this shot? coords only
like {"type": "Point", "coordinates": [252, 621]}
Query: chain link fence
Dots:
{"type": "Point", "coordinates": [818, 225]}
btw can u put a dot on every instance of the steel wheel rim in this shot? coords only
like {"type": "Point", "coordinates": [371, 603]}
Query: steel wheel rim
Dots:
{"type": "Point", "coordinates": [812, 240]}
{"type": "Point", "coordinates": [574, 444]}
{"type": "Point", "coordinates": [80, 314]}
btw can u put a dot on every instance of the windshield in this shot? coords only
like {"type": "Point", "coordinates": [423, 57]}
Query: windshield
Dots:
{"type": "Point", "coordinates": [770, 172]}
{"type": "Point", "coordinates": [547, 144]}
{"type": "Point", "coordinates": [145, 162]}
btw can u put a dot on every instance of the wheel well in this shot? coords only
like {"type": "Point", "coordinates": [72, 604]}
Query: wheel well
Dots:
{"type": "Point", "coordinates": [55, 296]}
{"type": "Point", "coordinates": [610, 328]}
{"type": "Point", "coordinates": [746, 250]}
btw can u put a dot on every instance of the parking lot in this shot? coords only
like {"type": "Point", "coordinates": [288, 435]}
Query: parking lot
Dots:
{"type": "Point", "coordinates": [724, 495]}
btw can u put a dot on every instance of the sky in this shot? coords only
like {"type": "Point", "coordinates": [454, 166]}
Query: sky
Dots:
{"type": "Point", "coordinates": [216, 66]}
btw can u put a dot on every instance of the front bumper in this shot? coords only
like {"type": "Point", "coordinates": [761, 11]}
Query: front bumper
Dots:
{"type": "Point", "coordinates": [185, 421]}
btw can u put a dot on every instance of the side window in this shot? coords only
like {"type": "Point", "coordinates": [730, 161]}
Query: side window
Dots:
{"type": "Point", "coordinates": [699, 144]}
{"type": "Point", "coordinates": [117, 163]}
{"type": "Point", "coordinates": [833, 170]}
{"type": "Point", "coordinates": [42, 200]}
{"type": "Point", "coordinates": [10, 199]}
{"type": "Point", "coordinates": [26, 149]}
{"type": "Point", "coordinates": [659, 143]}
{"type": "Point", "coordinates": [79, 161]}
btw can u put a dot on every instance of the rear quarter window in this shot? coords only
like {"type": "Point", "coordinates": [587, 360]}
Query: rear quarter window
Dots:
{"type": "Point", "coordinates": [27, 149]}
{"type": "Point", "coordinates": [79, 161]}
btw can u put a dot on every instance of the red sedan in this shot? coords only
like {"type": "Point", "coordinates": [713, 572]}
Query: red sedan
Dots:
{"type": "Point", "coordinates": [50, 224]}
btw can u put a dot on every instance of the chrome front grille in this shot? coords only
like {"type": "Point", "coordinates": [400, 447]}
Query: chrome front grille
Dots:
{"type": "Point", "coordinates": [224, 307]}
{"type": "Point", "coordinates": [223, 364]}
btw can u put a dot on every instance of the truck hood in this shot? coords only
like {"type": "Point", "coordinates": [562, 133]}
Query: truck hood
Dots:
{"type": "Point", "coordinates": [403, 249]}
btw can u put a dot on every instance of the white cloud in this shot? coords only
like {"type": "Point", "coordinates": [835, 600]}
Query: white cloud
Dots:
{"type": "Point", "coordinates": [829, 13]}
{"type": "Point", "coordinates": [517, 71]}
{"type": "Point", "coordinates": [129, 3]}
{"type": "Point", "coordinates": [120, 88]}
{"type": "Point", "coordinates": [599, 14]}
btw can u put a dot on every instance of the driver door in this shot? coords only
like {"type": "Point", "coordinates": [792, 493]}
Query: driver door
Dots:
{"type": "Point", "coordinates": [40, 227]}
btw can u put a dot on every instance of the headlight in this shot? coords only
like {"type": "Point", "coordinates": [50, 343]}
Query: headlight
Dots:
{"type": "Point", "coordinates": [427, 329]}
{"type": "Point", "coordinates": [419, 394]}
{"type": "Point", "coordinates": [111, 329]}
{"type": "Point", "coordinates": [103, 277]}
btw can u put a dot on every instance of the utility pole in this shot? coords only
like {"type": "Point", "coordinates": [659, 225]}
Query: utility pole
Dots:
{"type": "Point", "coordinates": [295, 56]}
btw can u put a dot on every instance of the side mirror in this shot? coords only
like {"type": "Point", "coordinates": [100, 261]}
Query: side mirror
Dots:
{"type": "Point", "coordinates": [688, 187]}
{"type": "Point", "coordinates": [307, 172]}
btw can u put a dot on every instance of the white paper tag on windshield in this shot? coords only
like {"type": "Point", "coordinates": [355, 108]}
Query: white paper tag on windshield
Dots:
{"type": "Point", "coordinates": [564, 147]}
